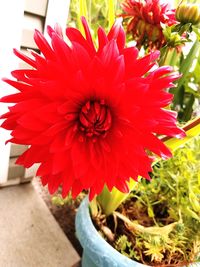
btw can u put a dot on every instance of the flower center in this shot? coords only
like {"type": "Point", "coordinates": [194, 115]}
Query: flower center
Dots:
{"type": "Point", "coordinates": [95, 118]}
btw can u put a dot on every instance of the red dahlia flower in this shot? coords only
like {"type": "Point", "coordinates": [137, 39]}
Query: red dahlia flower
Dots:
{"type": "Point", "coordinates": [88, 114]}
{"type": "Point", "coordinates": [145, 19]}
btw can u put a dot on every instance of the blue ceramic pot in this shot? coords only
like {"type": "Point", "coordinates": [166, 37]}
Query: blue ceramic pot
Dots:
{"type": "Point", "coordinates": [96, 251]}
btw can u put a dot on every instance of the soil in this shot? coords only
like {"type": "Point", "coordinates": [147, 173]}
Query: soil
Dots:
{"type": "Point", "coordinates": [132, 232]}
{"type": "Point", "coordinates": [64, 215]}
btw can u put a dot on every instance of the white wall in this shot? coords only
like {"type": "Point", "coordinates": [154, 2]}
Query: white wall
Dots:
{"type": "Point", "coordinates": [57, 12]}
{"type": "Point", "coordinates": [11, 16]}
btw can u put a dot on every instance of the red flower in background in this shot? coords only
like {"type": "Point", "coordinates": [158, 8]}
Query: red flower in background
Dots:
{"type": "Point", "coordinates": [89, 115]}
{"type": "Point", "coordinates": [145, 19]}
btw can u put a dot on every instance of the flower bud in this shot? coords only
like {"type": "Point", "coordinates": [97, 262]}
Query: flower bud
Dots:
{"type": "Point", "coordinates": [188, 13]}
{"type": "Point", "coordinates": [152, 31]}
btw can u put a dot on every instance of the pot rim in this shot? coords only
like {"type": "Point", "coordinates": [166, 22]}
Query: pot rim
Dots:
{"type": "Point", "coordinates": [94, 245]}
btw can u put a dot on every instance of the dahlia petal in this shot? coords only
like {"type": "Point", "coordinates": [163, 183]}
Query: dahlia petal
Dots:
{"type": "Point", "coordinates": [80, 55]}
{"type": "Point", "coordinates": [51, 93]}
{"type": "Point", "coordinates": [92, 193]}
{"type": "Point", "coordinates": [50, 31]}
{"type": "Point", "coordinates": [105, 145]}
{"type": "Point", "coordinates": [146, 63]}
{"type": "Point", "coordinates": [111, 171]}
{"type": "Point", "coordinates": [57, 29]}
{"type": "Point", "coordinates": [31, 122]}
{"type": "Point", "coordinates": [87, 33]}
{"type": "Point", "coordinates": [155, 145]}
{"type": "Point", "coordinates": [102, 39]}
{"type": "Point", "coordinates": [96, 188]}
{"type": "Point", "coordinates": [56, 128]}
{"type": "Point", "coordinates": [58, 144]}
{"type": "Point", "coordinates": [59, 161]}
{"type": "Point", "coordinates": [76, 188]}
{"type": "Point", "coordinates": [95, 155]}
{"type": "Point", "coordinates": [80, 160]}
{"type": "Point", "coordinates": [10, 123]}
{"type": "Point", "coordinates": [162, 83]}
{"type": "Point", "coordinates": [67, 181]}
{"type": "Point", "coordinates": [130, 55]}
{"type": "Point", "coordinates": [163, 70]}
{"type": "Point", "coordinates": [40, 139]}
{"type": "Point", "coordinates": [12, 98]}
{"type": "Point", "coordinates": [116, 32]}
{"type": "Point", "coordinates": [169, 131]}
{"type": "Point", "coordinates": [24, 74]}
{"type": "Point", "coordinates": [118, 71]}
{"type": "Point", "coordinates": [44, 169]}
{"type": "Point", "coordinates": [67, 107]}
{"type": "Point", "coordinates": [136, 91]}
{"type": "Point", "coordinates": [16, 141]}
{"type": "Point", "coordinates": [96, 68]}
{"type": "Point", "coordinates": [43, 45]}
{"type": "Point", "coordinates": [40, 61]}
{"type": "Point", "coordinates": [54, 182]}
{"type": "Point", "coordinates": [161, 99]}
{"type": "Point", "coordinates": [22, 133]}
{"type": "Point", "coordinates": [63, 51]}
{"type": "Point", "coordinates": [48, 113]}
{"type": "Point", "coordinates": [76, 36]}
{"type": "Point", "coordinates": [109, 53]}
{"type": "Point", "coordinates": [32, 155]}
{"type": "Point", "coordinates": [28, 60]}
{"type": "Point", "coordinates": [27, 105]}
{"type": "Point", "coordinates": [44, 180]}
{"type": "Point", "coordinates": [5, 115]}
{"type": "Point", "coordinates": [122, 186]}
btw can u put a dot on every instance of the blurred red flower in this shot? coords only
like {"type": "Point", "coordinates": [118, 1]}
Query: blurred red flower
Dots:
{"type": "Point", "coordinates": [145, 19]}
{"type": "Point", "coordinates": [88, 114]}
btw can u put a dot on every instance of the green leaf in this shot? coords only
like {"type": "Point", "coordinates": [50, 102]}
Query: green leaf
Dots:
{"type": "Point", "coordinates": [192, 129]}
{"type": "Point", "coordinates": [82, 12]}
{"type": "Point", "coordinates": [111, 13]}
{"type": "Point", "coordinates": [184, 69]}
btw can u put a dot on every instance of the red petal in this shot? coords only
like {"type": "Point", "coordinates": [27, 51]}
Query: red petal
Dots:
{"type": "Point", "coordinates": [28, 60]}
{"type": "Point", "coordinates": [43, 45]}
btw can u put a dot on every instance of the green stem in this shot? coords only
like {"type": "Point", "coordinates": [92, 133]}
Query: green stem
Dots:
{"type": "Point", "coordinates": [83, 11]}
{"type": "Point", "coordinates": [111, 13]}
{"type": "Point", "coordinates": [110, 201]}
{"type": "Point", "coordinates": [184, 69]}
{"type": "Point", "coordinates": [173, 57]}
{"type": "Point", "coordinates": [163, 56]}
{"type": "Point", "coordinates": [152, 230]}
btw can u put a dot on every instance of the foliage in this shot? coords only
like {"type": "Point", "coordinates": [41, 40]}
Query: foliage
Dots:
{"type": "Point", "coordinates": [58, 200]}
{"type": "Point", "coordinates": [182, 51]}
{"type": "Point", "coordinates": [171, 203]}
{"type": "Point", "coordinates": [97, 12]}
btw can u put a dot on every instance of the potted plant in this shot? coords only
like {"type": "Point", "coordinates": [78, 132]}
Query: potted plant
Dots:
{"type": "Point", "coordinates": [147, 197]}
{"type": "Point", "coordinates": [157, 225]}
{"type": "Point", "coordinates": [93, 114]}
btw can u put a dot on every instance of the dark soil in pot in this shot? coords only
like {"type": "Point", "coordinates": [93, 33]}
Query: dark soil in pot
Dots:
{"type": "Point", "coordinates": [140, 241]}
